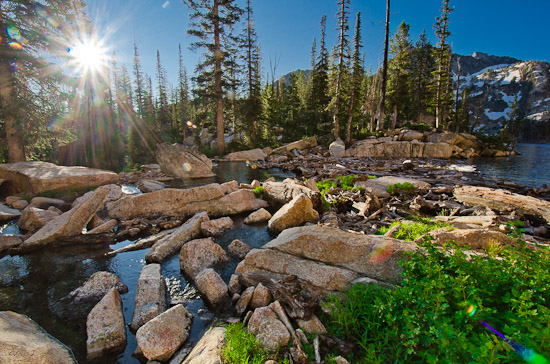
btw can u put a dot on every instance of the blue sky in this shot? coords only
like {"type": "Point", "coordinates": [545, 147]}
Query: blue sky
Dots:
{"type": "Point", "coordinates": [286, 28]}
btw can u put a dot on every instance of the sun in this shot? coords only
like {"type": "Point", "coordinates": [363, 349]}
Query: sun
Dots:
{"type": "Point", "coordinates": [89, 56]}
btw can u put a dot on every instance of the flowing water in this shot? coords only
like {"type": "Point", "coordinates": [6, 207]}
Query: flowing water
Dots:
{"type": "Point", "coordinates": [35, 284]}
{"type": "Point", "coordinates": [530, 168]}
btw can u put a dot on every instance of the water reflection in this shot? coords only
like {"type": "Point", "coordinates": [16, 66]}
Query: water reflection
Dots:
{"type": "Point", "coordinates": [531, 168]}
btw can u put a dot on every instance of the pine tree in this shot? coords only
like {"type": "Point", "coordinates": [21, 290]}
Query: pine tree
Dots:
{"type": "Point", "coordinates": [442, 53]}
{"type": "Point", "coordinates": [162, 119]}
{"type": "Point", "coordinates": [422, 66]}
{"type": "Point", "coordinates": [34, 36]}
{"type": "Point", "coordinates": [398, 93]}
{"type": "Point", "coordinates": [210, 19]}
{"type": "Point", "coordinates": [382, 102]}
{"type": "Point", "coordinates": [139, 82]}
{"type": "Point", "coordinates": [357, 75]}
{"type": "Point", "coordinates": [183, 97]}
{"type": "Point", "coordinates": [252, 59]}
{"type": "Point", "coordinates": [320, 80]}
{"type": "Point", "coordinates": [343, 56]}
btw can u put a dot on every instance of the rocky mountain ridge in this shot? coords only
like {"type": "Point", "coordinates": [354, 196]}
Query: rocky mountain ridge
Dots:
{"type": "Point", "coordinates": [495, 84]}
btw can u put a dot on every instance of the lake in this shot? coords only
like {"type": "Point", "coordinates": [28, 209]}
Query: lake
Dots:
{"type": "Point", "coordinates": [530, 168]}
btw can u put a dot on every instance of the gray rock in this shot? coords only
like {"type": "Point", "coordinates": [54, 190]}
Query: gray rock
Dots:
{"type": "Point", "coordinates": [217, 226]}
{"type": "Point", "coordinates": [208, 349]}
{"type": "Point", "coordinates": [234, 284]}
{"type": "Point", "coordinates": [259, 216]}
{"type": "Point", "coordinates": [244, 300]}
{"type": "Point", "coordinates": [337, 148]}
{"type": "Point", "coordinates": [161, 337]}
{"type": "Point", "coordinates": [34, 218]}
{"type": "Point", "coordinates": [247, 155]}
{"type": "Point", "coordinates": [183, 162]}
{"type": "Point", "coordinates": [268, 329]}
{"type": "Point", "coordinates": [96, 287]}
{"type": "Point", "coordinates": [295, 213]}
{"type": "Point", "coordinates": [23, 341]}
{"type": "Point", "coordinates": [146, 185]}
{"type": "Point", "coordinates": [261, 297]}
{"type": "Point", "coordinates": [238, 249]}
{"type": "Point", "coordinates": [70, 223]}
{"type": "Point", "coordinates": [173, 242]}
{"type": "Point", "coordinates": [105, 327]}
{"type": "Point", "coordinates": [150, 296]}
{"type": "Point", "coordinates": [7, 213]}
{"type": "Point", "coordinates": [9, 242]}
{"type": "Point", "coordinates": [200, 254]}
{"type": "Point", "coordinates": [108, 226]}
{"type": "Point", "coordinates": [212, 287]}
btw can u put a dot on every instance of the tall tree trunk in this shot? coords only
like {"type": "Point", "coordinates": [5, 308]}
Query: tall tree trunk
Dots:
{"type": "Point", "coordinates": [8, 102]}
{"type": "Point", "coordinates": [457, 124]}
{"type": "Point", "coordinates": [218, 82]}
{"type": "Point", "coordinates": [381, 105]}
{"type": "Point", "coordinates": [394, 120]}
{"type": "Point", "coordinates": [350, 118]}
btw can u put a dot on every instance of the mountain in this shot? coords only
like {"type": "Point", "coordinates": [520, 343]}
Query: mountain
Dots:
{"type": "Point", "coordinates": [495, 83]}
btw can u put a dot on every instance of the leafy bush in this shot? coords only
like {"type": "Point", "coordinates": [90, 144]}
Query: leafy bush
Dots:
{"type": "Point", "coordinates": [259, 191]}
{"type": "Point", "coordinates": [346, 182]}
{"type": "Point", "coordinates": [425, 320]}
{"type": "Point", "coordinates": [405, 187]}
{"type": "Point", "coordinates": [422, 127]}
{"type": "Point", "coordinates": [410, 231]}
{"type": "Point", "coordinates": [325, 186]}
{"type": "Point", "coordinates": [241, 347]}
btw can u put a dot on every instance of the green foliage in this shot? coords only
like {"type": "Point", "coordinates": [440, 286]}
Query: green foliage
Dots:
{"type": "Point", "coordinates": [241, 347]}
{"type": "Point", "coordinates": [424, 319]}
{"type": "Point", "coordinates": [346, 182]}
{"type": "Point", "coordinates": [259, 191]}
{"type": "Point", "coordinates": [516, 228]}
{"type": "Point", "coordinates": [410, 231]}
{"type": "Point", "coordinates": [405, 187]}
{"type": "Point", "coordinates": [421, 127]}
{"type": "Point", "coordinates": [325, 186]}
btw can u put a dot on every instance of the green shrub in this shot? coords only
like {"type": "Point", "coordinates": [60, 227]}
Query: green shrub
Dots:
{"type": "Point", "coordinates": [405, 187]}
{"type": "Point", "coordinates": [241, 347]}
{"type": "Point", "coordinates": [424, 319]}
{"type": "Point", "coordinates": [346, 182]}
{"type": "Point", "coordinates": [325, 186]}
{"type": "Point", "coordinates": [410, 231]}
{"type": "Point", "coordinates": [259, 191]}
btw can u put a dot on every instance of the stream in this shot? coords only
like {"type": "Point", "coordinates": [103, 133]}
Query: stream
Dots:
{"type": "Point", "coordinates": [35, 284]}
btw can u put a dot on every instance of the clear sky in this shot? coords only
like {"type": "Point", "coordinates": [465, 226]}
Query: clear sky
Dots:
{"type": "Point", "coordinates": [286, 28]}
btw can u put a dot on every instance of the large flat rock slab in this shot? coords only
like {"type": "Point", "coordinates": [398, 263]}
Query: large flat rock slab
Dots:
{"type": "Point", "coordinates": [380, 185]}
{"type": "Point", "coordinates": [502, 199]}
{"type": "Point", "coordinates": [68, 224]}
{"type": "Point", "coordinates": [36, 177]}
{"type": "Point", "coordinates": [179, 203]}
{"type": "Point", "coordinates": [374, 256]}
{"type": "Point", "coordinates": [22, 341]}
{"type": "Point", "coordinates": [208, 349]}
{"type": "Point", "coordinates": [7, 213]}
{"type": "Point", "coordinates": [183, 162]}
{"type": "Point", "coordinates": [150, 296]}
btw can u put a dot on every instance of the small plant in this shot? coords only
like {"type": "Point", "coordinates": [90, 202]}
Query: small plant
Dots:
{"type": "Point", "coordinates": [259, 191]}
{"type": "Point", "coordinates": [325, 186]}
{"type": "Point", "coordinates": [516, 229]}
{"type": "Point", "coordinates": [405, 187]}
{"type": "Point", "coordinates": [371, 177]}
{"type": "Point", "coordinates": [241, 347]}
{"type": "Point", "coordinates": [444, 212]}
{"type": "Point", "coordinates": [346, 182]}
{"type": "Point", "coordinates": [425, 318]}
{"type": "Point", "coordinates": [410, 231]}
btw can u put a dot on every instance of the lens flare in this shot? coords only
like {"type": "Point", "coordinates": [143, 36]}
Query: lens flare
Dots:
{"type": "Point", "coordinates": [13, 33]}
{"type": "Point", "coordinates": [15, 45]}
{"type": "Point", "coordinates": [471, 310]}
{"type": "Point", "coordinates": [189, 123]}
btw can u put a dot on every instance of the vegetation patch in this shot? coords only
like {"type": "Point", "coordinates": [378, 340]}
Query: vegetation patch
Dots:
{"type": "Point", "coordinates": [405, 187]}
{"type": "Point", "coordinates": [412, 230]}
{"type": "Point", "coordinates": [259, 191]}
{"type": "Point", "coordinates": [70, 194]}
{"type": "Point", "coordinates": [435, 314]}
{"type": "Point", "coordinates": [241, 347]}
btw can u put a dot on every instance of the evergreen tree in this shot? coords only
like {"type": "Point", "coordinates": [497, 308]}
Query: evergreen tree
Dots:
{"type": "Point", "coordinates": [398, 93]}
{"type": "Point", "coordinates": [382, 102]}
{"type": "Point", "coordinates": [252, 58]}
{"type": "Point", "coordinates": [210, 19]}
{"type": "Point", "coordinates": [139, 82]}
{"type": "Point", "coordinates": [162, 118]}
{"type": "Point", "coordinates": [343, 56]}
{"type": "Point", "coordinates": [442, 53]}
{"type": "Point", "coordinates": [357, 75]}
{"type": "Point", "coordinates": [422, 66]}
{"type": "Point", "coordinates": [34, 36]}
{"type": "Point", "coordinates": [320, 94]}
{"type": "Point", "coordinates": [183, 98]}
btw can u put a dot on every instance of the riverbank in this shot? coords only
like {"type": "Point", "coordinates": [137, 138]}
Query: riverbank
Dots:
{"type": "Point", "coordinates": [362, 195]}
